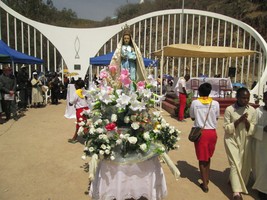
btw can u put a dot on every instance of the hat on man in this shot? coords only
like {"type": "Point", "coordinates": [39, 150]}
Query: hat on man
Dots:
{"type": "Point", "coordinates": [34, 73]}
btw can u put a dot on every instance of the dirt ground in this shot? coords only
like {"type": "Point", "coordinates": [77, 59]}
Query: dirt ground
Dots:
{"type": "Point", "coordinates": [37, 162]}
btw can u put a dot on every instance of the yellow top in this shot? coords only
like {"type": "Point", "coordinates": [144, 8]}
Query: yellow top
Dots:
{"type": "Point", "coordinates": [79, 92]}
{"type": "Point", "coordinates": [205, 100]}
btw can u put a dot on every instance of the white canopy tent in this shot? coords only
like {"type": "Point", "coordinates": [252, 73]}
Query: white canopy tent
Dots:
{"type": "Point", "coordinates": [197, 51]}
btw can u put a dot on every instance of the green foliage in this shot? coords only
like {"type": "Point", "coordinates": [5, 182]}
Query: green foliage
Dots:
{"type": "Point", "coordinates": [188, 103]}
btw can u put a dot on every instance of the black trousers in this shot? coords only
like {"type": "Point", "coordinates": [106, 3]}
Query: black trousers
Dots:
{"type": "Point", "coordinates": [23, 96]}
{"type": "Point", "coordinates": [9, 107]}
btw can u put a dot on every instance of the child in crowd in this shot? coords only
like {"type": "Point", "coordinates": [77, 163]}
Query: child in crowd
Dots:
{"type": "Point", "coordinates": [205, 111]}
{"type": "Point", "coordinates": [80, 104]}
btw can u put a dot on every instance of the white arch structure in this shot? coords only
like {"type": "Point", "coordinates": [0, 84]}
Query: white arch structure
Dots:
{"type": "Point", "coordinates": [151, 32]}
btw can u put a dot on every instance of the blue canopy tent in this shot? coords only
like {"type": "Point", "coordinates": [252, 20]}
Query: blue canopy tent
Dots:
{"type": "Point", "coordinates": [104, 60]}
{"type": "Point", "coordinates": [3, 58]}
{"type": "Point", "coordinates": [14, 56]}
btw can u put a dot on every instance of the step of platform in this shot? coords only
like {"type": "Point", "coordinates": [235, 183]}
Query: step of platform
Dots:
{"type": "Point", "coordinates": [171, 104]}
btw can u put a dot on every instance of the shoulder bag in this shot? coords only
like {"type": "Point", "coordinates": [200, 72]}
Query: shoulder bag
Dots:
{"type": "Point", "coordinates": [196, 132]}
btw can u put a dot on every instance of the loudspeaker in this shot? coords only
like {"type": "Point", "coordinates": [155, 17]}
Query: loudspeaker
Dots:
{"type": "Point", "coordinates": [231, 71]}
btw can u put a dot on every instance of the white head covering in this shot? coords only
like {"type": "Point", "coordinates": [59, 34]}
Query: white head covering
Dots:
{"type": "Point", "coordinates": [34, 73]}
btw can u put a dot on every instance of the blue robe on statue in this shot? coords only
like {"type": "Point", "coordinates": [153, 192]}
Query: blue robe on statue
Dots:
{"type": "Point", "coordinates": [128, 60]}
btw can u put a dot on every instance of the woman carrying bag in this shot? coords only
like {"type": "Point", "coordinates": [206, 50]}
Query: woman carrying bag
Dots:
{"type": "Point", "coordinates": [205, 112]}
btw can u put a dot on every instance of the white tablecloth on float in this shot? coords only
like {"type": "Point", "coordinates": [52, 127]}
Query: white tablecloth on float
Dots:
{"type": "Point", "coordinates": [213, 81]}
{"type": "Point", "coordinates": [122, 181]}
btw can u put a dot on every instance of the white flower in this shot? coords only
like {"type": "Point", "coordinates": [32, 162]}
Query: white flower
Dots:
{"type": "Point", "coordinates": [103, 147]}
{"type": "Point", "coordinates": [146, 136]}
{"type": "Point", "coordinates": [143, 147]}
{"type": "Point", "coordinates": [107, 152]}
{"type": "Point", "coordinates": [147, 93]}
{"type": "Point", "coordinates": [81, 123]}
{"type": "Point", "coordinates": [126, 119]}
{"type": "Point", "coordinates": [80, 119]}
{"type": "Point", "coordinates": [171, 131]}
{"type": "Point", "coordinates": [91, 149]}
{"type": "Point", "coordinates": [154, 83]}
{"type": "Point", "coordinates": [105, 97]}
{"type": "Point", "coordinates": [156, 131]}
{"type": "Point", "coordinates": [119, 91]}
{"type": "Point", "coordinates": [84, 157]}
{"type": "Point", "coordinates": [85, 149]}
{"type": "Point", "coordinates": [87, 112]}
{"type": "Point", "coordinates": [159, 126]}
{"type": "Point", "coordinates": [114, 117]}
{"type": "Point", "coordinates": [162, 148]}
{"type": "Point", "coordinates": [118, 141]}
{"type": "Point", "coordinates": [101, 152]}
{"type": "Point", "coordinates": [101, 136]}
{"type": "Point", "coordinates": [137, 106]}
{"type": "Point", "coordinates": [80, 131]}
{"type": "Point", "coordinates": [132, 140]}
{"type": "Point", "coordinates": [97, 122]}
{"type": "Point", "coordinates": [105, 137]}
{"type": "Point", "coordinates": [112, 157]}
{"type": "Point", "coordinates": [123, 101]}
{"type": "Point", "coordinates": [124, 136]}
{"type": "Point", "coordinates": [133, 117]}
{"type": "Point", "coordinates": [163, 125]}
{"type": "Point", "coordinates": [135, 125]}
{"type": "Point", "coordinates": [156, 113]}
{"type": "Point", "coordinates": [100, 130]}
{"type": "Point", "coordinates": [92, 130]}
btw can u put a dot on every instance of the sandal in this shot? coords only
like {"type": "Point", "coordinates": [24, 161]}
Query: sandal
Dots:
{"type": "Point", "coordinates": [72, 141]}
{"type": "Point", "coordinates": [204, 189]}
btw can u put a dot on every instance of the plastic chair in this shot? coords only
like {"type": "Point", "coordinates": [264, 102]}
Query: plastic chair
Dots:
{"type": "Point", "coordinates": [223, 88]}
{"type": "Point", "coordinates": [194, 85]}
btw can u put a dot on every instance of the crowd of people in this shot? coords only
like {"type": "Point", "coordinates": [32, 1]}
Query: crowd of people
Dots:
{"type": "Point", "coordinates": [245, 127]}
{"type": "Point", "coordinates": [245, 140]}
{"type": "Point", "coordinates": [245, 130]}
{"type": "Point", "coordinates": [20, 91]}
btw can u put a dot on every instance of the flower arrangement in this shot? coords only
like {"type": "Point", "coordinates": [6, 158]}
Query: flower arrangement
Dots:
{"type": "Point", "coordinates": [121, 122]}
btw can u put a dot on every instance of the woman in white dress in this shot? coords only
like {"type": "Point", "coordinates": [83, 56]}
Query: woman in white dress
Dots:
{"type": "Point", "coordinates": [37, 97]}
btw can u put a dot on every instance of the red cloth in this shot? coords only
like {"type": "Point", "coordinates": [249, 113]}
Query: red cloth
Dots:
{"type": "Point", "coordinates": [80, 117]}
{"type": "Point", "coordinates": [205, 147]}
{"type": "Point", "coordinates": [182, 105]}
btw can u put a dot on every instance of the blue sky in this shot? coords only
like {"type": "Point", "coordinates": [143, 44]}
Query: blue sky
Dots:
{"type": "Point", "coordinates": [92, 9]}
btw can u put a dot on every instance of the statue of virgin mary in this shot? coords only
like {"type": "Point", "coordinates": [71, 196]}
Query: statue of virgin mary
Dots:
{"type": "Point", "coordinates": [128, 56]}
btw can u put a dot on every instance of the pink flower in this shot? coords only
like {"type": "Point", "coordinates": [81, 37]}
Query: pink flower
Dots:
{"type": "Point", "coordinates": [111, 126]}
{"type": "Point", "coordinates": [103, 74]}
{"type": "Point", "coordinates": [112, 69]}
{"type": "Point", "coordinates": [125, 80]}
{"type": "Point", "coordinates": [109, 90]}
{"type": "Point", "coordinates": [141, 85]}
{"type": "Point", "coordinates": [125, 72]}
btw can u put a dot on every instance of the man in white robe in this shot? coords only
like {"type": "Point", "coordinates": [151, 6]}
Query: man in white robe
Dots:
{"type": "Point", "coordinates": [260, 151]}
{"type": "Point", "coordinates": [239, 123]}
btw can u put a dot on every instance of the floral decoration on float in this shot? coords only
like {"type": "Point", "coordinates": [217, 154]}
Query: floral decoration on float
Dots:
{"type": "Point", "coordinates": [122, 125]}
